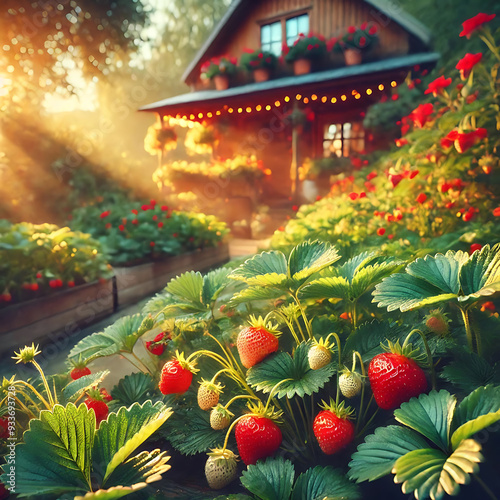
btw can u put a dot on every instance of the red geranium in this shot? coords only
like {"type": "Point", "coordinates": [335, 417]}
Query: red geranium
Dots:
{"type": "Point", "coordinates": [474, 23]}
{"type": "Point", "coordinates": [465, 141]}
{"type": "Point", "coordinates": [401, 142]}
{"type": "Point", "coordinates": [105, 214]}
{"type": "Point", "coordinates": [447, 142]}
{"type": "Point", "coordinates": [466, 64]}
{"type": "Point", "coordinates": [437, 85]}
{"type": "Point", "coordinates": [421, 198]}
{"type": "Point", "coordinates": [421, 114]}
{"type": "Point", "coordinates": [381, 231]}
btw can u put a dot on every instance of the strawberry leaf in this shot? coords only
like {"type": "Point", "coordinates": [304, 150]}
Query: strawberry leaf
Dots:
{"type": "Point", "coordinates": [119, 435]}
{"type": "Point", "coordinates": [482, 401]}
{"type": "Point", "coordinates": [254, 271]}
{"type": "Point", "coordinates": [309, 258]}
{"type": "Point", "coordinates": [330, 287]}
{"type": "Point", "coordinates": [55, 457]}
{"type": "Point", "coordinates": [214, 283]}
{"type": "Point", "coordinates": [430, 414]}
{"type": "Point", "coordinates": [254, 293]}
{"type": "Point", "coordinates": [353, 265]}
{"type": "Point", "coordinates": [440, 270]}
{"type": "Point", "coordinates": [376, 457]}
{"type": "Point", "coordinates": [324, 482]}
{"type": "Point", "coordinates": [134, 388]}
{"type": "Point", "coordinates": [429, 472]}
{"type": "Point", "coordinates": [187, 288]}
{"type": "Point", "coordinates": [120, 336]}
{"type": "Point", "coordinates": [270, 479]}
{"type": "Point", "coordinates": [304, 380]}
{"type": "Point", "coordinates": [77, 387]}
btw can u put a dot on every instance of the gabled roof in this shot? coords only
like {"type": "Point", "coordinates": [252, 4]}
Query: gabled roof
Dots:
{"type": "Point", "coordinates": [329, 79]}
{"type": "Point", "coordinates": [389, 9]}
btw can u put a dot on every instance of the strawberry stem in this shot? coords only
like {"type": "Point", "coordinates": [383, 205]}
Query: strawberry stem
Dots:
{"type": "Point", "coordinates": [470, 333]}
{"type": "Point", "coordinates": [304, 317]}
{"type": "Point", "coordinates": [45, 383]}
{"type": "Point", "coordinates": [337, 339]}
{"type": "Point", "coordinates": [428, 353]}
{"type": "Point", "coordinates": [214, 378]}
{"type": "Point", "coordinates": [240, 396]}
{"type": "Point", "coordinates": [289, 324]}
{"type": "Point", "coordinates": [355, 355]}
{"type": "Point", "coordinates": [273, 390]}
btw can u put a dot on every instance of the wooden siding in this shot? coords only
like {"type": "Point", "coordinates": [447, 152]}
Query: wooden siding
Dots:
{"type": "Point", "coordinates": [327, 17]}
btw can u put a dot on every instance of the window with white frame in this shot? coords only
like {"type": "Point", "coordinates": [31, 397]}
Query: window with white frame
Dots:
{"type": "Point", "coordinates": [270, 37]}
{"type": "Point", "coordinates": [295, 26]}
{"type": "Point", "coordinates": [272, 34]}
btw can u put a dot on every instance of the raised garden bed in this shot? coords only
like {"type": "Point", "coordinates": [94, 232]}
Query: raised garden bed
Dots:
{"type": "Point", "coordinates": [136, 282]}
{"type": "Point", "coordinates": [66, 311]}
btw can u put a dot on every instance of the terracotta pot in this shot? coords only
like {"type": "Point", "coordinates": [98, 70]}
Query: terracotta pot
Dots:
{"type": "Point", "coordinates": [302, 66]}
{"type": "Point", "coordinates": [261, 74]}
{"type": "Point", "coordinates": [352, 57]}
{"type": "Point", "coordinates": [221, 82]}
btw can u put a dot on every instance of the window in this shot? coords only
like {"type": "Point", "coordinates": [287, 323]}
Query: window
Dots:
{"type": "Point", "coordinates": [270, 38]}
{"type": "Point", "coordinates": [295, 26]}
{"type": "Point", "coordinates": [272, 34]}
{"type": "Point", "coordinates": [343, 139]}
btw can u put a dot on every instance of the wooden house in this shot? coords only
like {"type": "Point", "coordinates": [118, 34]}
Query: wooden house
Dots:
{"type": "Point", "coordinates": [255, 117]}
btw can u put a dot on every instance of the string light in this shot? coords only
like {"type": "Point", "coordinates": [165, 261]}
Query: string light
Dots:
{"type": "Point", "coordinates": [184, 121]}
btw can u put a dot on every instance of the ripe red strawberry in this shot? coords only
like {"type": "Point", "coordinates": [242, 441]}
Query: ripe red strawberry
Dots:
{"type": "Point", "coordinates": [256, 342]}
{"type": "Point", "coordinates": [4, 428]}
{"type": "Point", "coordinates": [257, 435]}
{"type": "Point", "coordinates": [105, 395]}
{"type": "Point", "coordinates": [208, 394]}
{"type": "Point", "coordinates": [220, 468]}
{"type": "Point", "coordinates": [157, 345]}
{"type": "Point", "coordinates": [332, 427]}
{"type": "Point", "coordinates": [395, 377]}
{"type": "Point", "coordinates": [176, 375]}
{"type": "Point", "coordinates": [79, 371]}
{"type": "Point", "coordinates": [96, 402]}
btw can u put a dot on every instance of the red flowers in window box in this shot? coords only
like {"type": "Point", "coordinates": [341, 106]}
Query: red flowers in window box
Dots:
{"type": "Point", "coordinates": [421, 198]}
{"type": "Point", "coordinates": [474, 23]}
{"type": "Point", "coordinates": [466, 64]}
{"type": "Point", "coordinates": [438, 85]}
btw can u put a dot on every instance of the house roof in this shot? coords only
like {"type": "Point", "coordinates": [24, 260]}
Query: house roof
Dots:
{"type": "Point", "coordinates": [389, 9]}
{"type": "Point", "coordinates": [332, 78]}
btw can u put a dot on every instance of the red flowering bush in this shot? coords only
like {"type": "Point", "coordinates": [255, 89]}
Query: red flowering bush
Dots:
{"type": "Point", "coordinates": [359, 38]}
{"type": "Point", "coordinates": [305, 47]}
{"type": "Point", "coordinates": [221, 65]}
{"type": "Point", "coordinates": [256, 59]}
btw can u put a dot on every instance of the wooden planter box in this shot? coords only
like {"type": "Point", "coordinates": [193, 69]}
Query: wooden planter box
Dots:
{"type": "Point", "coordinates": [48, 317]}
{"type": "Point", "coordinates": [137, 282]}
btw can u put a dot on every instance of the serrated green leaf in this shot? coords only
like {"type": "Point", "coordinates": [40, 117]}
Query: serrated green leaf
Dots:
{"type": "Point", "coordinates": [430, 473]}
{"type": "Point", "coordinates": [349, 268]}
{"type": "Point", "coordinates": [369, 336]}
{"type": "Point", "coordinates": [122, 432]}
{"type": "Point", "coordinates": [482, 268]}
{"type": "Point", "coordinates": [120, 336]}
{"type": "Point", "coordinates": [440, 271]}
{"type": "Point", "coordinates": [367, 277]}
{"type": "Point", "coordinates": [136, 387]}
{"type": "Point", "coordinates": [55, 457]}
{"type": "Point", "coordinates": [189, 431]}
{"type": "Point", "coordinates": [405, 292]}
{"type": "Point", "coordinates": [111, 493]}
{"type": "Point", "coordinates": [468, 371]}
{"type": "Point", "coordinates": [430, 414]}
{"type": "Point", "coordinates": [310, 257]}
{"type": "Point", "coordinates": [482, 401]}
{"type": "Point", "coordinates": [376, 457]}
{"type": "Point", "coordinates": [279, 367]}
{"type": "Point", "coordinates": [147, 466]}
{"type": "Point", "coordinates": [332, 287]}
{"type": "Point", "coordinates": [266, 263]}
{"type": "Point", "coordinates": [214, 283]}
{"type": "Point", "coordinates": [254, 293]}
{"type": "Point", "coordinates": [470, 428]}
{"type": "Point", "coordinates": [77, 387]}
{"type": "Point", "coordinates": [324, 483]}
{"type": "Point", "coordinates": [271, 479]}
{"type": "Point", "coordinates": [187, 287]}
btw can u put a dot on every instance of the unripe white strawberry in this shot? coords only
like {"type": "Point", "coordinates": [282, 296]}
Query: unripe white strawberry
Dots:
{"type": "Point", "coordinates": [208, 394]}
{"type": "Point", "coordinates": [220, 468]}
{"type": "Point", "coordinates": [437, 322]}
{"type": "Point", "coordinates": [350, 383]}
{"type": "Point", "coordinates": [220, 417]}
{"type": "Point", "coordinates": [318, 356]}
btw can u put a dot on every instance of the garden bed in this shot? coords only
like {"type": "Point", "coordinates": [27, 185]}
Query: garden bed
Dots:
{"type": "Point", "coordinates": [30, 321]}
{"type": "Point", "coordinates": [136, 282]}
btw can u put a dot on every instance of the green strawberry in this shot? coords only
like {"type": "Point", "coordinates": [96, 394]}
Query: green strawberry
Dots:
{"type": "Point", "coordinates": [220, 417]}
{"type": "Point", "coordinates": [208, 394]}
{"type": "Point", "coordinates": [220, 468]}
{"type": "Point", "coordinates": [350, 383]}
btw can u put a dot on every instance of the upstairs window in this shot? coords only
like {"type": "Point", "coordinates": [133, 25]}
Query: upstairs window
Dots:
{"type": "Point", "coordinates": [272, 35]}
{"type": "Point", "coordinates": [295, 26]}
{"type": "Point", "coordinates": [270, 38]}
{"type": "Point", "coordinates": [343, 139]}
